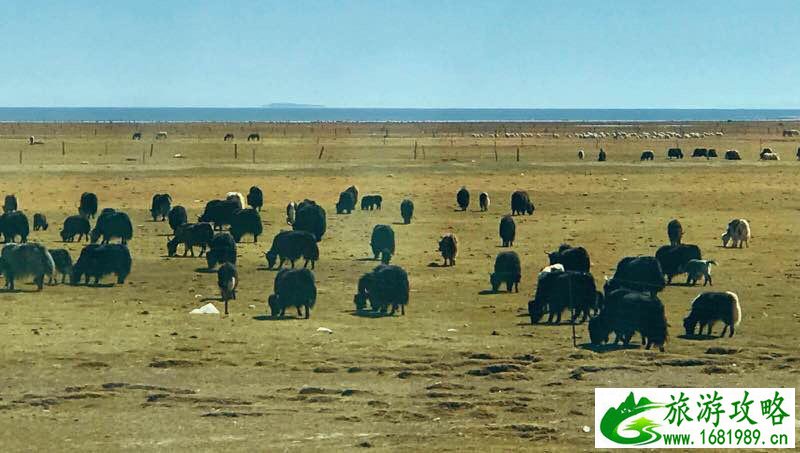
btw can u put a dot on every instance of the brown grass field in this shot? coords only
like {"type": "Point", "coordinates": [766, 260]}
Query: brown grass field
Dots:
{"type": "Point", "coordinates": [127, 368]}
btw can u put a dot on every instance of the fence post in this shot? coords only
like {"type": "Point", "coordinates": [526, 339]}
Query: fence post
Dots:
{"type": "Point", "coordinates": [20, 157]}
{"type": "Point", "coordinates": [517, 153]}
{"type": "Point", "coordinates": [63, 149]}
{"type": "Point", "coordinates": [415, 150]}
{"type": "Point", "coordinates": [254, 155]}
{"type": "Point", "coordinates": [235, 150]}
{"type": "Point", "coordinates": [321, 150]}
{"type": "Point", "coordinates": [151, 149]}
{"type": "Point", "coordinates": [495, 149]}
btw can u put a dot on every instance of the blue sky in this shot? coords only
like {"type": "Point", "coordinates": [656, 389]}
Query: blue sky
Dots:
{"type": "Point", "coordinates": [613, 53]}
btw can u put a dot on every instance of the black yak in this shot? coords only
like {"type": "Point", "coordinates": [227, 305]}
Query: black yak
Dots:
{"type": "Point", "coordinates": [112, 224]}
{"type": "Point", "coordinates": [246, 221]}
{"type": "Point", "coordinates": [462, 198]}
{"type": "Point", "coordinates": [382, 243]}
{"type": "Point", "coordinates": [407, 210]}
{"type": "Point", "coordinates": [75, 225]}
{"type": "Point", "coordinates": [572, 258]}
{"type": "Point", "coordinates": [385, 286]}
{"type": "Point", "coordinates": [627, 312]}
{"type": "Point", "coordinates": [219, 212]}
{"type": "Point", "coordinates": [293, 288]}
{"type": "Point", "coordinates": [255, 198]}
{"type": "Point", "coordinates": [177, 217]}
{"type": "Point", "coordinates": [673, 258]}
{"type": "Point", "coordinates": [98, 260]}
{"type": "Point", "coordinates": [310, 217]}
{"type": "Point", "coordinates": [508, 230]}
{"type": "Point", "coordinates": [521, 203]}
{"type": "Point", "coordinates": [507, 269]}
{"type": "Point", "coordinates": [448, 247]}
{"type": "Point", "coordinates": [639, 273]}
{"type": "Point", "coordinates": [160, 206]}
{"type": "Point", "coordinates": [10, 204]}
{"type": "Point", "coordinates": [88, 205]}
{"type": "Point", "coordinates": [559, 291]}
{"type": "Point", "coordinates": [346, 203]}
{"type": "Point", "coordinates": [13, 224]}
{"type": "Point", "coordinates": [40, 222]}
{"type": "Point", "coordinates": [292, 245]}
{"type": "Point", "coordinates": [191, 235]}
{"type": "Point", "coordinates": [63, 263]}
{"type": "Point", "coordinates": [221, 250]}
{"type": "Point", "coordinates": [674, 232]}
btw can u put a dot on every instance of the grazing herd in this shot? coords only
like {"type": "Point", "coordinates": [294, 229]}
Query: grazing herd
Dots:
{"type": "Point", "coordinates": [627, 304]}
{"type": "Point", "coordinates": [707, 153]}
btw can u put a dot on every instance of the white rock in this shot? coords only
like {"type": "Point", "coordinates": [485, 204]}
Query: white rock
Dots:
{"type": "Point", "coordinates": [324, 329]}
{"type": "Point", "coordinates": [586, 429]}
{"type": "Point", "coordinates": [452, 330]}
{"type": "Point", "coordinates": [207, 309]}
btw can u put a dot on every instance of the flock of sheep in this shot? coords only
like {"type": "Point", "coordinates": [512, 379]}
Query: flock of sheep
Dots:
{"type": "Point", "coordinates": [627, 304]}
{"type": "Point", "coordinates": [646, 135]}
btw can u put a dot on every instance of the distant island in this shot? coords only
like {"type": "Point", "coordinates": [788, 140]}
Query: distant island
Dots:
{"type": "Point", "coordinates": [290, 105]}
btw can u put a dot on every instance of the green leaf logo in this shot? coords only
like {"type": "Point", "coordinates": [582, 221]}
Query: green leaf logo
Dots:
{"type": "Point", "coordinates": [612, 422]}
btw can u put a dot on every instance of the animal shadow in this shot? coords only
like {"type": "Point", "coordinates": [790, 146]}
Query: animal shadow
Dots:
{"type": "Point", "coordinates": [544, 323]}
{"type": "Point", "coordinates": [277, 318]}
{"type": "Point", "coordinates": [698, 337]}
{"type": "Point", "coordinates": [96, 285]}
{"type": "Point", "coordinates": [610, 347]}
{"type": "Point", "coordinates": [370, 314]}
{"type": "Point", "coordinates": [488, 292]}
{"type": "Point", "coordinates": [681, 284]}
{"type": "Point", "coordinates": [205, 270]}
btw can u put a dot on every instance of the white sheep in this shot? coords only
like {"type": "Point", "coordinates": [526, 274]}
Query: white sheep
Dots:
{"type": "Point", "coordinates": [699, 268]}
{"type": "Point", "coordinates": [738, 232]}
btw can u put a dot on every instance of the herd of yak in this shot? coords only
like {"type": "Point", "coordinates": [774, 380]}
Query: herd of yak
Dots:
{"type": "Point", "coordinates": [628, 304]}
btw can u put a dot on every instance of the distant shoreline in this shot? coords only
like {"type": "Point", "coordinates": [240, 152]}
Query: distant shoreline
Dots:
{"type": "Point", "coordinates": [300, 114]}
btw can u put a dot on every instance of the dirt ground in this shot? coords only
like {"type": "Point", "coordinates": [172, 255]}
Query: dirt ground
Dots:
{"type": "Point", "coordinates": [126, 367]}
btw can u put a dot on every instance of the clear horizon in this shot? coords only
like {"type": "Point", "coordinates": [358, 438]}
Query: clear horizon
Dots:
{"type": "Point", "coordinates": [255, 107]}
{"type": "Point", "coordinates": [447, 54]}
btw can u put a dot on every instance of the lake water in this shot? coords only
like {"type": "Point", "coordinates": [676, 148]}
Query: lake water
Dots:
{"type": "Point", "coordinates": [198, 114]}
